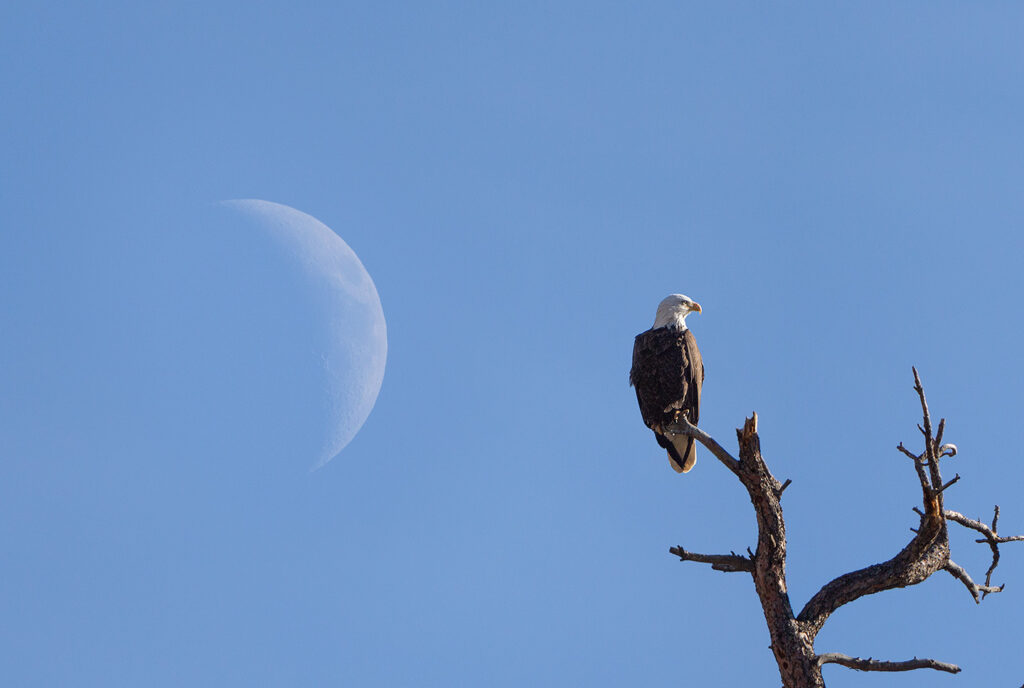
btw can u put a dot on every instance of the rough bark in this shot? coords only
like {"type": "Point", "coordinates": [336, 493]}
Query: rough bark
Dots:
{"type": "Point", "coordinates": [793, 635]}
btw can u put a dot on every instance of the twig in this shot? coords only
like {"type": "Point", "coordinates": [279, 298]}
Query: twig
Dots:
{"type": "Point", "coordinates": [878, 665]}
{"type": "Point", "coordinates": [909, 453]}
{"type": "Point", "coordinates": [1000, 539]}
{"type": "Point", "coordinates": [919, 465]}
{"type": "Point", "coordinates": [960, 574]}
{"type": "Point", "coordinates": [943, 488]}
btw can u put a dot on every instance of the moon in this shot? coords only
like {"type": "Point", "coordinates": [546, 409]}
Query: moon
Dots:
{"type": "Point", "coordinates": [353, 362]}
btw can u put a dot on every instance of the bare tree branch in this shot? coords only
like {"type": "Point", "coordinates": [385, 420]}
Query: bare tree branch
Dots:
{"type": "Point", "coordinates": [731, 562]}
{"type": "Point", "coordinates": [684, 427]}
{"type": "Point", "coordinates": [925, 554]}
{"type": "Point", "coordinates": [929, 440]}
{"type": "Point", "coordinates": [878, 665]}
{"type": "Point", "coordinates": [988, 531]}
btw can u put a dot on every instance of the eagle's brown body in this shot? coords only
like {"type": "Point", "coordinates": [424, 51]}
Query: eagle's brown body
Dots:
{"type": "Point", "coordinates": [667, 374]}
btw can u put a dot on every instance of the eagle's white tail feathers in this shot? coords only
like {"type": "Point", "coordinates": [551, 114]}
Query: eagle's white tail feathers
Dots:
{"type": "Point", "coordinates": [672, 462]}
{"type": "Point", "coordinates": [686, 448]}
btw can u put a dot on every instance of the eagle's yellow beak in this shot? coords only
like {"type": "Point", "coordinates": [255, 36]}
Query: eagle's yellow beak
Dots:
{"type": "Point", "coordinates": [696, 307]}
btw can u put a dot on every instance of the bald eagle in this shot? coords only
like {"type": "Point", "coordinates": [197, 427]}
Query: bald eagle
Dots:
{"type": "Point", "coordinates": [667, 374]}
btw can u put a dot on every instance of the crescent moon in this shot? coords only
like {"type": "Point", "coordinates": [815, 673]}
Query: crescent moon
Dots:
{"type": "Point", "coordinates": [354, 363]}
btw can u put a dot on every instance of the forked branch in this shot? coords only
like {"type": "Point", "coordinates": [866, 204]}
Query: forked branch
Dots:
{"type": "Point", "coordinates": [992, 538]}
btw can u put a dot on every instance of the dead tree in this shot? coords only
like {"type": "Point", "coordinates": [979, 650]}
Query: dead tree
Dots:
{"type": "Point", "coordinates": [793, 634]}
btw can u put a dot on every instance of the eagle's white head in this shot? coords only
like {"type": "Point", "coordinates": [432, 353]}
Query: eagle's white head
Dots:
{"type": "Point", "coordinates": [672, 311]}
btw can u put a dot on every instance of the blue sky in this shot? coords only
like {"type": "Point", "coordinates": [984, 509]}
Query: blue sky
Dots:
{"type": "Point", "coordinates": [837, 185]}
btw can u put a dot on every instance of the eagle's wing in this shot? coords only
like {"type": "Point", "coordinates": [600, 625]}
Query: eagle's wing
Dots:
{"type": "Point", "coordinates": [695, 366]}
{"type": "Point", "coordinates": [658, 375]}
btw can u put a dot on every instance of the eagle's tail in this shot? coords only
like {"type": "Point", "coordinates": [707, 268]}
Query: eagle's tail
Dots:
{"type": "Point", "coordinates": [682, 451]}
